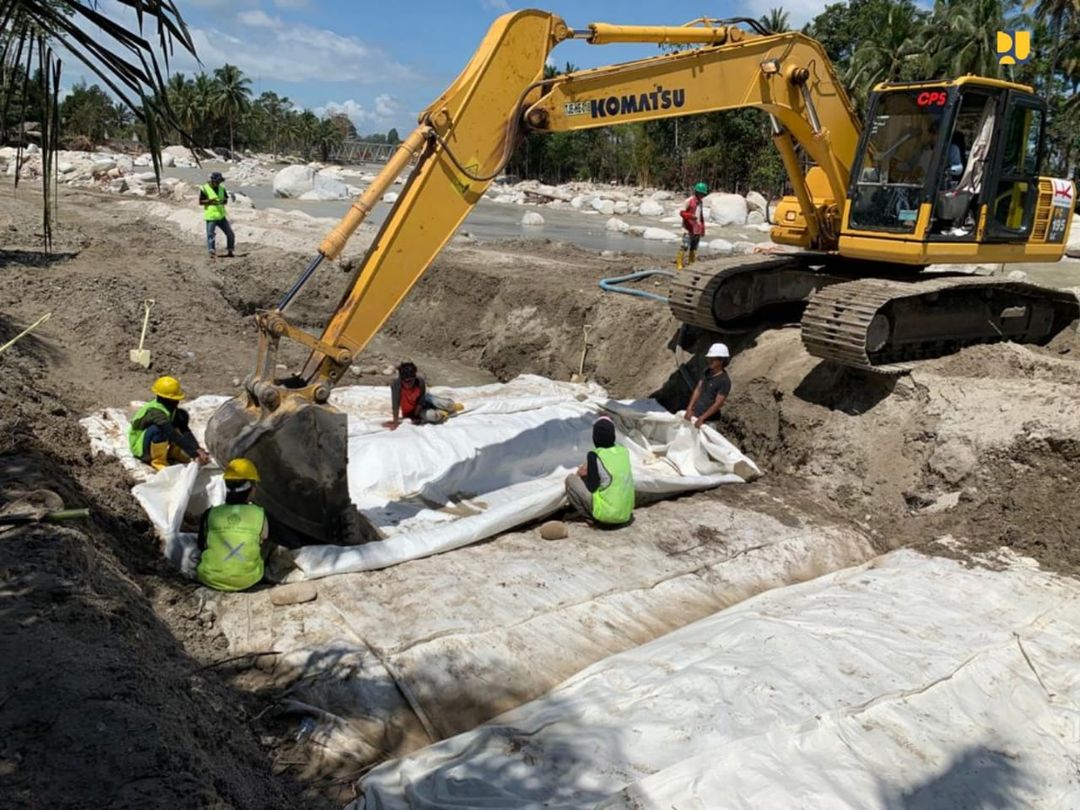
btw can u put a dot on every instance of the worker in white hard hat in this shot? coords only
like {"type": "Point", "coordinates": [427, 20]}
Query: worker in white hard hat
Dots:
{"type": "Point", "coordinates": [712, 389]}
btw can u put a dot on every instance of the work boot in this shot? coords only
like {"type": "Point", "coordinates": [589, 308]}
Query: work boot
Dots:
{"type": "Point", "coordinates": [159, 455]}
{"type": "Point", "coordinates": [693, 257]}
{"type": "Point", "coordinates": [679, 260]}
{"type": "Point", "coordinates": [177, 456]}
{"type": "Point", "coordinates": [458, 407]}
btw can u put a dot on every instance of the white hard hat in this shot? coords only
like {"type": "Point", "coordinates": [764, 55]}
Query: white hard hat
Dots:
{"type": "Point", "coordinates": [718, 350]}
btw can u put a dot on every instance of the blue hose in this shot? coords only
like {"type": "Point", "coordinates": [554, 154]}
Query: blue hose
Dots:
{"type": "Point", "coordinates": [611, 284]}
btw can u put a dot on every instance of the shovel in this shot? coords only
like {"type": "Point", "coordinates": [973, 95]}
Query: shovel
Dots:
{"type": "Point", "coordinates": [580, 376]}
{"type": "Point", "coordinates": [141, 356]}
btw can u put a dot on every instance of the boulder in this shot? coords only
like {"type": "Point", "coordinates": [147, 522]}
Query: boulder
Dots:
{"type": "Point", "coordinates": [577, 202]}
{"type": "Point", "coordinates": [1018, 275]}
{"type": "Point", "coordinates": [293, 181]}
{"type": "Point", "coordinates": [756, 202]}
{"type": "Point", "coordinates": [617, 225]}
{"type": "Point", "coordinates": [662, 196]}
{"type": "Point", "coordinates": [755, 218]}
{"type": "Point", "coordinates": [553, 530]}
{"type": "Point", "coordinates": [167, 160]}
{"type": "Point", "coordinates": [144, 177]}
{"type": "Point", "coordinates": [330, 185]}
{"type": "Point", "coordinates": [651, 208]}
{"type": "Point", "coordinates": [390, 197]}
{"type": "Point", "coordinates": [102, 166]}
{"type": "Point", "coordinates": [240, 200]}
{"type": "Point", "coordinates": [604, 206]}
{"type": "Point", "coordinates": [531, 218]}
{"type": "Point", "coordinates": [637, 230]}
{"type": "Point", "coordinates": [659, 234]}
{"type": "Point", "coordinates": [144, 160]}
{"type": "Point", "coordinates": [118, 186]}
{"type": "Point", "coordinates": [726, 209]}
{"type": "Point", "coordinates": [320, 195]}
{"type": "Point", "coordinates": [742, 248]}
{"type": "Point", "coordinates": [720, 246]}
{"type": "Point", "coordinates": [1073, 248]}
{"type": "Point", "coordinates": [65, 167]}
{"type": "Point", "coordinates": [621, 206]}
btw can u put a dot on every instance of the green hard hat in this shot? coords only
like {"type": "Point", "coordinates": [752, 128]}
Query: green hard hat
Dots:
{"type": "Point", "coordinates": [701, 188]}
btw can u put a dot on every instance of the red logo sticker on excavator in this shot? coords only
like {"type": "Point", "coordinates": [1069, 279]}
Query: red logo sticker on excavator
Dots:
{"type": "Point", "coordinates": [932, 98]}
{"type": "Point", "coordinates": [1063, 193]}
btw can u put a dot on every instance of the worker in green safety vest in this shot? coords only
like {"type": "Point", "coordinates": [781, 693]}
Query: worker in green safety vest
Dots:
{"type": "Point", "coordinates": [159, 432]}
{"type": "Point", "coordinates": [233, 537]}
{"type": "Point", "coordinates": [602, 489]}
{"type": "Point", "coordinates": [213, 197]}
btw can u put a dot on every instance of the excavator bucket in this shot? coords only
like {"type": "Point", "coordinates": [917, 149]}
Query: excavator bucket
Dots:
{"type": "Point", "coordinates": [301, 451]}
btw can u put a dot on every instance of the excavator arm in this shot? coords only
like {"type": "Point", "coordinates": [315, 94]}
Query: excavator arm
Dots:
{"type": "Point", "coordinates": [464, 139]}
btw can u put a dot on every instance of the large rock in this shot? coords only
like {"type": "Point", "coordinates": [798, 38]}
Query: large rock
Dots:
{"type": "Point", "coordinates": [651, 208]}
{"type": "Point", "coordinates": [659, 234]}
{"type": "Point", "coordinates": [756, 202]}
{"type": "Point", "coordinates": [294, 181]}
{"type": "Point", "coordinates": [532, 219]}
{"type": "Point", "coordinates": [103, 166]}
{"type": "Point", "coordinates": [720, 246]}
{"type": "Point", "coordinates": [662, 196]}
{"type": "Point", "coordinates": [617, 225]}
{"type": "Point", "coordinates": [954, 461]}
{"type": "Point", "coordinates": [65, 167]}
{"type": "Point", "coordinates": [727, 209]}
{"type": "Point", "coordinates": [390, 197]}
{"type": "Point", "coordinates": [330, 186]}
{"type": "Point", "coordinates": [1073, 248]}
{"type": "Point", "coordinates": [755, 218]}
{"type": "Point", "coordinates": [637, 230]}
{"type": "Point", "coordinates": [603, 206]}
{"type": "Point", "coordinates": [319, 195]}
{"type": "Point", "coordinates": [578, 201]}
{"type": "Point", "coordinates": [621, 206]}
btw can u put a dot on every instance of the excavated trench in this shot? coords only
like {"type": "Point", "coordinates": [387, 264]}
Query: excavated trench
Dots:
{"type": "Point", "coordinates": [982, 448]}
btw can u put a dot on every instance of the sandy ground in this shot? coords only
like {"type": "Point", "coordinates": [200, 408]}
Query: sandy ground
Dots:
{"type": "Point", "coordinates": [105, 695]}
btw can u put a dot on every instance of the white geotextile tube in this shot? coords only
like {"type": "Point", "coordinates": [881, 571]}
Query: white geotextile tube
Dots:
{"type": "Point", "coordinates": [914, 682]}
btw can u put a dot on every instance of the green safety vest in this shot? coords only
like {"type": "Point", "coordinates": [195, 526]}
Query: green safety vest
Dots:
{"type": "Point", "coordinates": [137, 438]}
{"type": "Point", "coordinates": [615, 502]}
{"type": "Point", "coordinates": [233, 557]}
{"type": "Point", "coordinates": [213, 213]}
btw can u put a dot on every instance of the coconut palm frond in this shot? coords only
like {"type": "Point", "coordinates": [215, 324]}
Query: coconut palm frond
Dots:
{"type": "Point", "coordinates": [33, 34]}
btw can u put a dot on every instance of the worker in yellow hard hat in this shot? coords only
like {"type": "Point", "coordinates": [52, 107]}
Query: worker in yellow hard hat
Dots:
{"type": "Point", "coordinates": [234, 537]}
{"type": "Point", "coordinates": [159, 432]}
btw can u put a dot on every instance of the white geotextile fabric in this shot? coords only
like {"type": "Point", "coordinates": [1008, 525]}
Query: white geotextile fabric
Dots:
{"type": "Point", "coordinates": [910, 682]}
{"type": "Point", "coordinates": [429, 489]}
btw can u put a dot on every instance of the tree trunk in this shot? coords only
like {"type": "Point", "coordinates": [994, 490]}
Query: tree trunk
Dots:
{"type": "Point", "coordinates": [232, 146]}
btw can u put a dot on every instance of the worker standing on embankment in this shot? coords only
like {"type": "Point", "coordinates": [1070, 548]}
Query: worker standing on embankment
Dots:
{"type": "Point", "coordinates": [159, 433]}
{"type": "Point", "coordinates": [693, 222]}
{"type": "Point", "coordinates": [213, 197]}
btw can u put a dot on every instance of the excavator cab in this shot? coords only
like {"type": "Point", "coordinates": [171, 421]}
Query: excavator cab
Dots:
{"type": "Point", "coordinates": [943, 167]}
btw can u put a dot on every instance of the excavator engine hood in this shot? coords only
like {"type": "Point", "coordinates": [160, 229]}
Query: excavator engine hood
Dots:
{"type": "Point", "coordinates": [301, 451]}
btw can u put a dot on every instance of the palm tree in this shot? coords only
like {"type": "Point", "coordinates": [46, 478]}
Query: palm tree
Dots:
{"type": "Point", "coordinates": [275, 108]}
{"type": "Point", "coordinates": [1062, 17]}
{"type": "Point", "coordinates": [182, 100]}
{"type": "Point", "coordinates": [892, 55]}
{"type": "Point", "coordinates": [203, 95]}
{"type": "Point", "coordinates": [232, 96]}
{"type": "Point", "coordinates": [328, 136]}
{"type": "Point", "coordinates": [962, 37]}
{"type": "Point", "coordinates": [776, 21]}
{"type": "Point", "coordinates": [124, 56]}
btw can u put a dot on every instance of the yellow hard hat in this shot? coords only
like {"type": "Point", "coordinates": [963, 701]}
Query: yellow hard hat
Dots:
{"type": "Point", "coordinates": [168, 387]}
{"type": "Point", "coordinates": [241, 469]}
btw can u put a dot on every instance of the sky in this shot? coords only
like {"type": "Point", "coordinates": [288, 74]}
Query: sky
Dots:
{"type": "Point", "coordinates": [383, 62]}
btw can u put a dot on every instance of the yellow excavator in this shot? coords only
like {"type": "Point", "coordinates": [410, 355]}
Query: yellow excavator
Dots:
{"type": "Point", "coordinates": [941, 172]}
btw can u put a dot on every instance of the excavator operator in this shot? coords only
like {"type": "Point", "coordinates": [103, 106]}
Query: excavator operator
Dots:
{"type": "Point", "coordinates": [159, 433]}
{"type": "Point", "coordinates": [693, 222]}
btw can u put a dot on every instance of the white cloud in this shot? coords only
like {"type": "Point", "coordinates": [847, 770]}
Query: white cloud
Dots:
{"type": "Point", "coordinates": [495, 5]}
{"type": "Point", "coordinates": [292, 4]}
{"type": "Point", "coordinates": [270, 49]}
{"type": "Point", "coordinates": [385, 111]}
{"type": "Point", "coordinates": [800, 12]}
{"type": "Point", "coordinates": [259, 19]}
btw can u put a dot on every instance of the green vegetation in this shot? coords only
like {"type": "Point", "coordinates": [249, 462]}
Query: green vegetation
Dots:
{"type": "Point", "coordinates": [869, 41]}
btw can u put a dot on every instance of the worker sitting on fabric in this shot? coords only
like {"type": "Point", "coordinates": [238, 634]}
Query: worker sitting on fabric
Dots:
{"type": "Point", "coordinates": [213, 197]}
{"type": "Point", "coordinates": [693, 222]}
{"type": "Point", "coordinates": [159, 433]}
{"type": "Point", "coordinates": [712, 389]}
{"type": "Point", "coordinates": [409, 399]}
{"type": "Point", "coordinates": [234, 537]}
{"type": "Point", "coordinates": [602, 489]}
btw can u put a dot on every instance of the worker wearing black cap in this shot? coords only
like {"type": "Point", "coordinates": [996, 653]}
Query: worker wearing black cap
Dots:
{"type": "Point", "coordinates": [212, 197]}
{"type": "Point", "coordinates": [603, 487]}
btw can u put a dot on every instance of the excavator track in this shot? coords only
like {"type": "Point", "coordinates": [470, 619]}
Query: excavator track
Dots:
{"type": "Point", "coordinates": [885, 326]}
{"type": "Point", "coordinates": [717, 295]}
